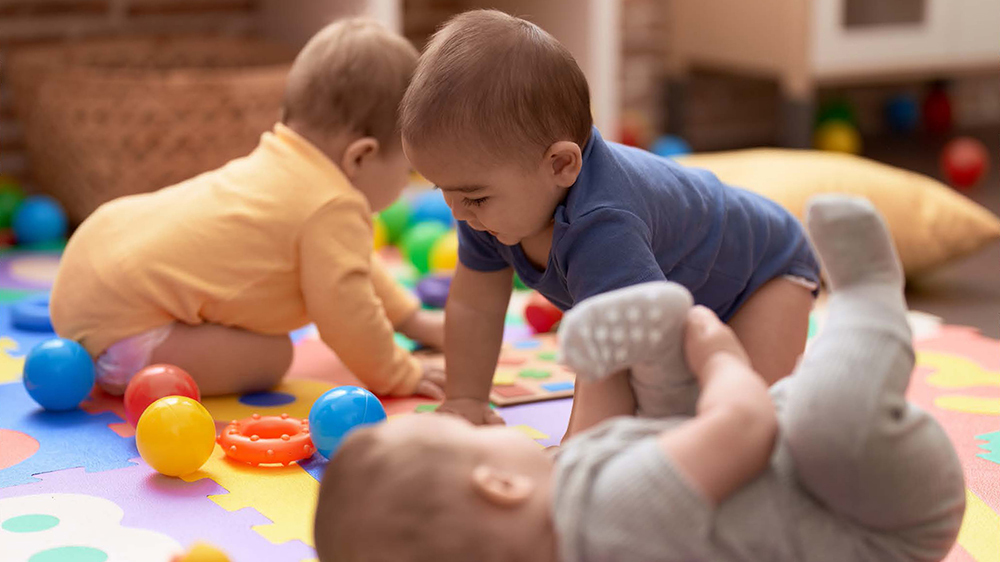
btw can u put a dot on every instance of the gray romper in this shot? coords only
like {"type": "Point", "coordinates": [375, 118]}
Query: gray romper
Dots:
{"type": "Point", "coordinates": [858, 474]}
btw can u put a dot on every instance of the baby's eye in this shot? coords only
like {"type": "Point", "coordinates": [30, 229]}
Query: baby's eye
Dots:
{"type": "Point", "coordinates": [474, 202]}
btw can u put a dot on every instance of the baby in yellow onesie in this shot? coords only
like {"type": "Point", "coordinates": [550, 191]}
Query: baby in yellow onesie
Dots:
{"type": "Point", "coordinates": [212, 274]}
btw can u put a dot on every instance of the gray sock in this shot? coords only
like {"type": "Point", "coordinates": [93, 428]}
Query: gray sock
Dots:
{"type": "Point", "coordinates": [640, 328]}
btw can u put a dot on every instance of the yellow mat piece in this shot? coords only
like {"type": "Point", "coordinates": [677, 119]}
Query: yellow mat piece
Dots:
{"type": "Point", "coordinates": [286, 495]}
{"type": "Point", "coordinates": [954, 371]}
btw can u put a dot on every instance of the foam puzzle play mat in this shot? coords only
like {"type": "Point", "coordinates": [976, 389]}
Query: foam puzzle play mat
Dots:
{"type": "Point", "coordinates": [74, 487]}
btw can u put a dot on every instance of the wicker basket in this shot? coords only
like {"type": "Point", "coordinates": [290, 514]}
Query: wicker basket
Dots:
{"type": "Point", "coordinates": [108, 118]}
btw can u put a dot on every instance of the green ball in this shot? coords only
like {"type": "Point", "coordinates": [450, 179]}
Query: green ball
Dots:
{"type": "Point", "coordinates": [836, 110]}
{"type": "Point", "coordinates": [418, 241]}
{"type": "Point", "coordinates": [396, 218]}
{"type": "Point", "coordinates": [11, 196]}
{"type": "Point", "coordinates": [519, 285]}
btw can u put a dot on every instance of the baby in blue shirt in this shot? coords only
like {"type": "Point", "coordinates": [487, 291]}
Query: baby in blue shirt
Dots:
{"type": "Point", "coordinates": [498, 117]}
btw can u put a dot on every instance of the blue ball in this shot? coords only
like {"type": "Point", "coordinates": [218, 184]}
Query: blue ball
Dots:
{"type": "Point", "coordinates": [339, 411]}
{"type": "Point", "coordinates": [39, 219]}
{"type": "Point", "coordinates": [902, 113]}
{"type": "Point", "coordinates": [670, 146]}
{"type": "Point", "coordinates": [431, 206]}
{"type": "Point", "coordinates": [58, 374]}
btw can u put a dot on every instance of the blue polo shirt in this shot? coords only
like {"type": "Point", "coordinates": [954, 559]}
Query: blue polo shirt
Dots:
{"type": "Point", "coordinates": [633, 217]}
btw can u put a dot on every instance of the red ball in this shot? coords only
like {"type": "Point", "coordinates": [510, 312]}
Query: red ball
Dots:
{"type": "Point", "coordinates": [541, 314]}
{"type": "Point", "coordinates": [937, 111]}
{"type": "Point", "coordinates": [964, 161]}
{"type": "Point", "coordinates": [155, 382]}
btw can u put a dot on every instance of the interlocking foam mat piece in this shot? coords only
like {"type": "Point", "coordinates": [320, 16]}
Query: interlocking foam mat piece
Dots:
{"type": "Point", "coordinates": [72, 485]}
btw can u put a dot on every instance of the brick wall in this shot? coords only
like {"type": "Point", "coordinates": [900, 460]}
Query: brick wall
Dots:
{"type": "Point", "coordinates": [27, 22]}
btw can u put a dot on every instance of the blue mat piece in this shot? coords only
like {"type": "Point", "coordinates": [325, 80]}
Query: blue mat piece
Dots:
{"type": "Point", "coordinates": [66, 439]}
{"type": "Point", "coordinates": [25, 340]}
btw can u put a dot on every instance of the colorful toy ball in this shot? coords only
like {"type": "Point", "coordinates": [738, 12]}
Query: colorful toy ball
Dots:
{"type": "Point", "coordinates": [339, 411]}
{"type": "Point", "coordinates": [444, 253]}
{"type": "Point", "coordinates": [11, 197]}
{"type": "Point", "coordinates": [541, 315]}
{"type": "Point", "coordinates": [902, 113]}
{"type": "Point", "coordinates": [838, 136]}
{"type": "Point", "coordinates": [381, 234]}
{"type": "Point", "coordinates": [937, 111]}
{"type": "Point", "coordinates": [669, 146]}
{"type": "Point", "coordinates": [397, 219]}
{"type": "Point", "coordinates": [836, 110]}
{"type": "Point", "coordinates": [155, 382]}
{"type": "Point", "coordinates": [964, 162]}
{"type": "Point", "coordinates": [58, 374]}
{"type": "Point", "coordinates": [39, 219]}
{"type": "Point", "coordinates": [433, 291]}
{"type": "Point", "coordinates": [419, 240]}
{"type": "Point", "coordinates": [202, 552]}
{"type": "Point", "coordinates": [431, 206]}
{"type": "Point", "coordinates": [175, 435]}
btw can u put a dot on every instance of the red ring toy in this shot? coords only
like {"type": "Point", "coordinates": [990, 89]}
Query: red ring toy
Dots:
{"type": "Point", "coordinates": [267, 440]}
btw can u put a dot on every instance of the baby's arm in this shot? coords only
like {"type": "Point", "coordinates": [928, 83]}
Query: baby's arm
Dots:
{"type": "Point", "coordinates": [474, 320]}
{"type": "Point", "coordinates": [339, 294]}
{"type": "Point", "coordinates": [731, 439]}
{"type": "Point", "coordinates": [403, 309]}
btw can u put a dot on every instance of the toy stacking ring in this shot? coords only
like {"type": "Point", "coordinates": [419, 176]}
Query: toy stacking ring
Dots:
{"type": "Point", "coordinates": [267, 440]}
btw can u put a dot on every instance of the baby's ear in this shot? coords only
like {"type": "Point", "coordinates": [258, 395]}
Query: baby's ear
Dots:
{"type": "Point", "coordinates": [500, 487]}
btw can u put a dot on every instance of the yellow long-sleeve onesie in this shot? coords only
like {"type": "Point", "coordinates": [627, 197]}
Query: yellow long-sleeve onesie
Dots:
{"type": "Point", "coordinates": [267, 243]}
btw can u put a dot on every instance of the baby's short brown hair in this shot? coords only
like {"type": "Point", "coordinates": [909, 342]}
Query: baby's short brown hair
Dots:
{"type": "Point", "coordinates": [409, 505]}
{"type": "Point", "coordinates": [500, 83]}
{"type": "Point", "coordinates": [350, 77]}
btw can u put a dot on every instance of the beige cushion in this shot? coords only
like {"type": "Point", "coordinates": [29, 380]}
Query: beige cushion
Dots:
{"type": "Point", "coordinates": [930, 222]}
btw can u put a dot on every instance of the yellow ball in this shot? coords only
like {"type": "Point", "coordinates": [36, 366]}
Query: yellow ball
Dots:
{"type": "Point", "coordinates": [838, 136]}
{"type": "Point", "coordinates": [381, 234]}
{"type": "Point", "coordinates": [175, 435]}
{"type": "Point", "coordinates": [202, 552]}
{"type": "Point", "coordinates": [444, 254]}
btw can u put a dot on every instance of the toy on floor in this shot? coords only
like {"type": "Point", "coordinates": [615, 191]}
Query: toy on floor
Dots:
{"type": "Point", "coordinates": [433, 291]}
{"type": "Point", "coordinates": [670, 146]}
{"type": "Point", "coordinates": [541, 315]}
{"type": "Point", "coordinates": [202, 552]}
{"type": "Point", "coordinates": [381, 234]}
{"type": "Point", "coordinates": [175, 435]}
{"type": "Point", "coordinates": [902, 113]}
{"type": "Point", "coordinates": [418, 242]}
{"type": "Point", "coordinates": [937, 110]}
{"type": "Point", "coordinates": [337, 412]}
{"type": "Point", "coordinates": [836, 110]}
{"type": "Point", "coordinates": [430, 206]}
{"type": "Point", "coordinates": [58, 374]}
{"type": "Point", "coordinates": [527, 371]}
{"type": "Point", "coordinates": [267, 440]}
{"type": "Point", "coordinates": [32, 315]}
{"type": "Point", "coordinates": [838, 136]}
{"type": "Point", "coordinates": [964, 162]}
{"type": "Point", "coordinates": [11, 196]}
{"type": "Point", "coordinates": [155, 382]}
{"type": "Point", "coordinates": [396, 218]}
{"type": "Point", "coordinates": [444, 253]}
{"type": "Point", "coordinates": [39, 219]}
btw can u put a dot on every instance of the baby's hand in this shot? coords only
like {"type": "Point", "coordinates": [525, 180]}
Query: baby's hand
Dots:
{"type": "Point", "coordinates": [425, 327]}
{"type": "Point", "coordinates": [431, 384]}
{"type": "Point", "coordinates": [476, 411]}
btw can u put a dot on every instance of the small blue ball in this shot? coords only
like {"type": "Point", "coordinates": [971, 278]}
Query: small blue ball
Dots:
{"type": "Point", "coordinates": [39, 219]}
{"type": "Point", "coordinates": [339, 411]}
{"type": "Point", "coordinates": [58, 374]}
{"type": "Point", "coordinates": [431, 206]}
{"type": "Point", "coordinates": [670, 146]}
{"type": "Point", "coordinates": [902, 113]}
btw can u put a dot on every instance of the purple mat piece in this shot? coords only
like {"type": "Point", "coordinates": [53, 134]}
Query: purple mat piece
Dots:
{"type": "Point", "coordinates": [25, 340]}
{"type": "Point", "coordinates": [549, 417]}
{"type": "Point", "coordinates": [178, 509]}
{"type": "Point", "coordinates": [9, 280]}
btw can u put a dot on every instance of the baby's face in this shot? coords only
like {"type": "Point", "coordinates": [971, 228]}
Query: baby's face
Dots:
{"type": "Point", "coordinates": [511, 201]}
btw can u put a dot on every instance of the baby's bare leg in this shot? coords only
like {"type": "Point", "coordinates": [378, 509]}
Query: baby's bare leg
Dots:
{"type": "Point", "coordinates": [226, 360]}
{"type": "Point", "coordinates": [772, 325]}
